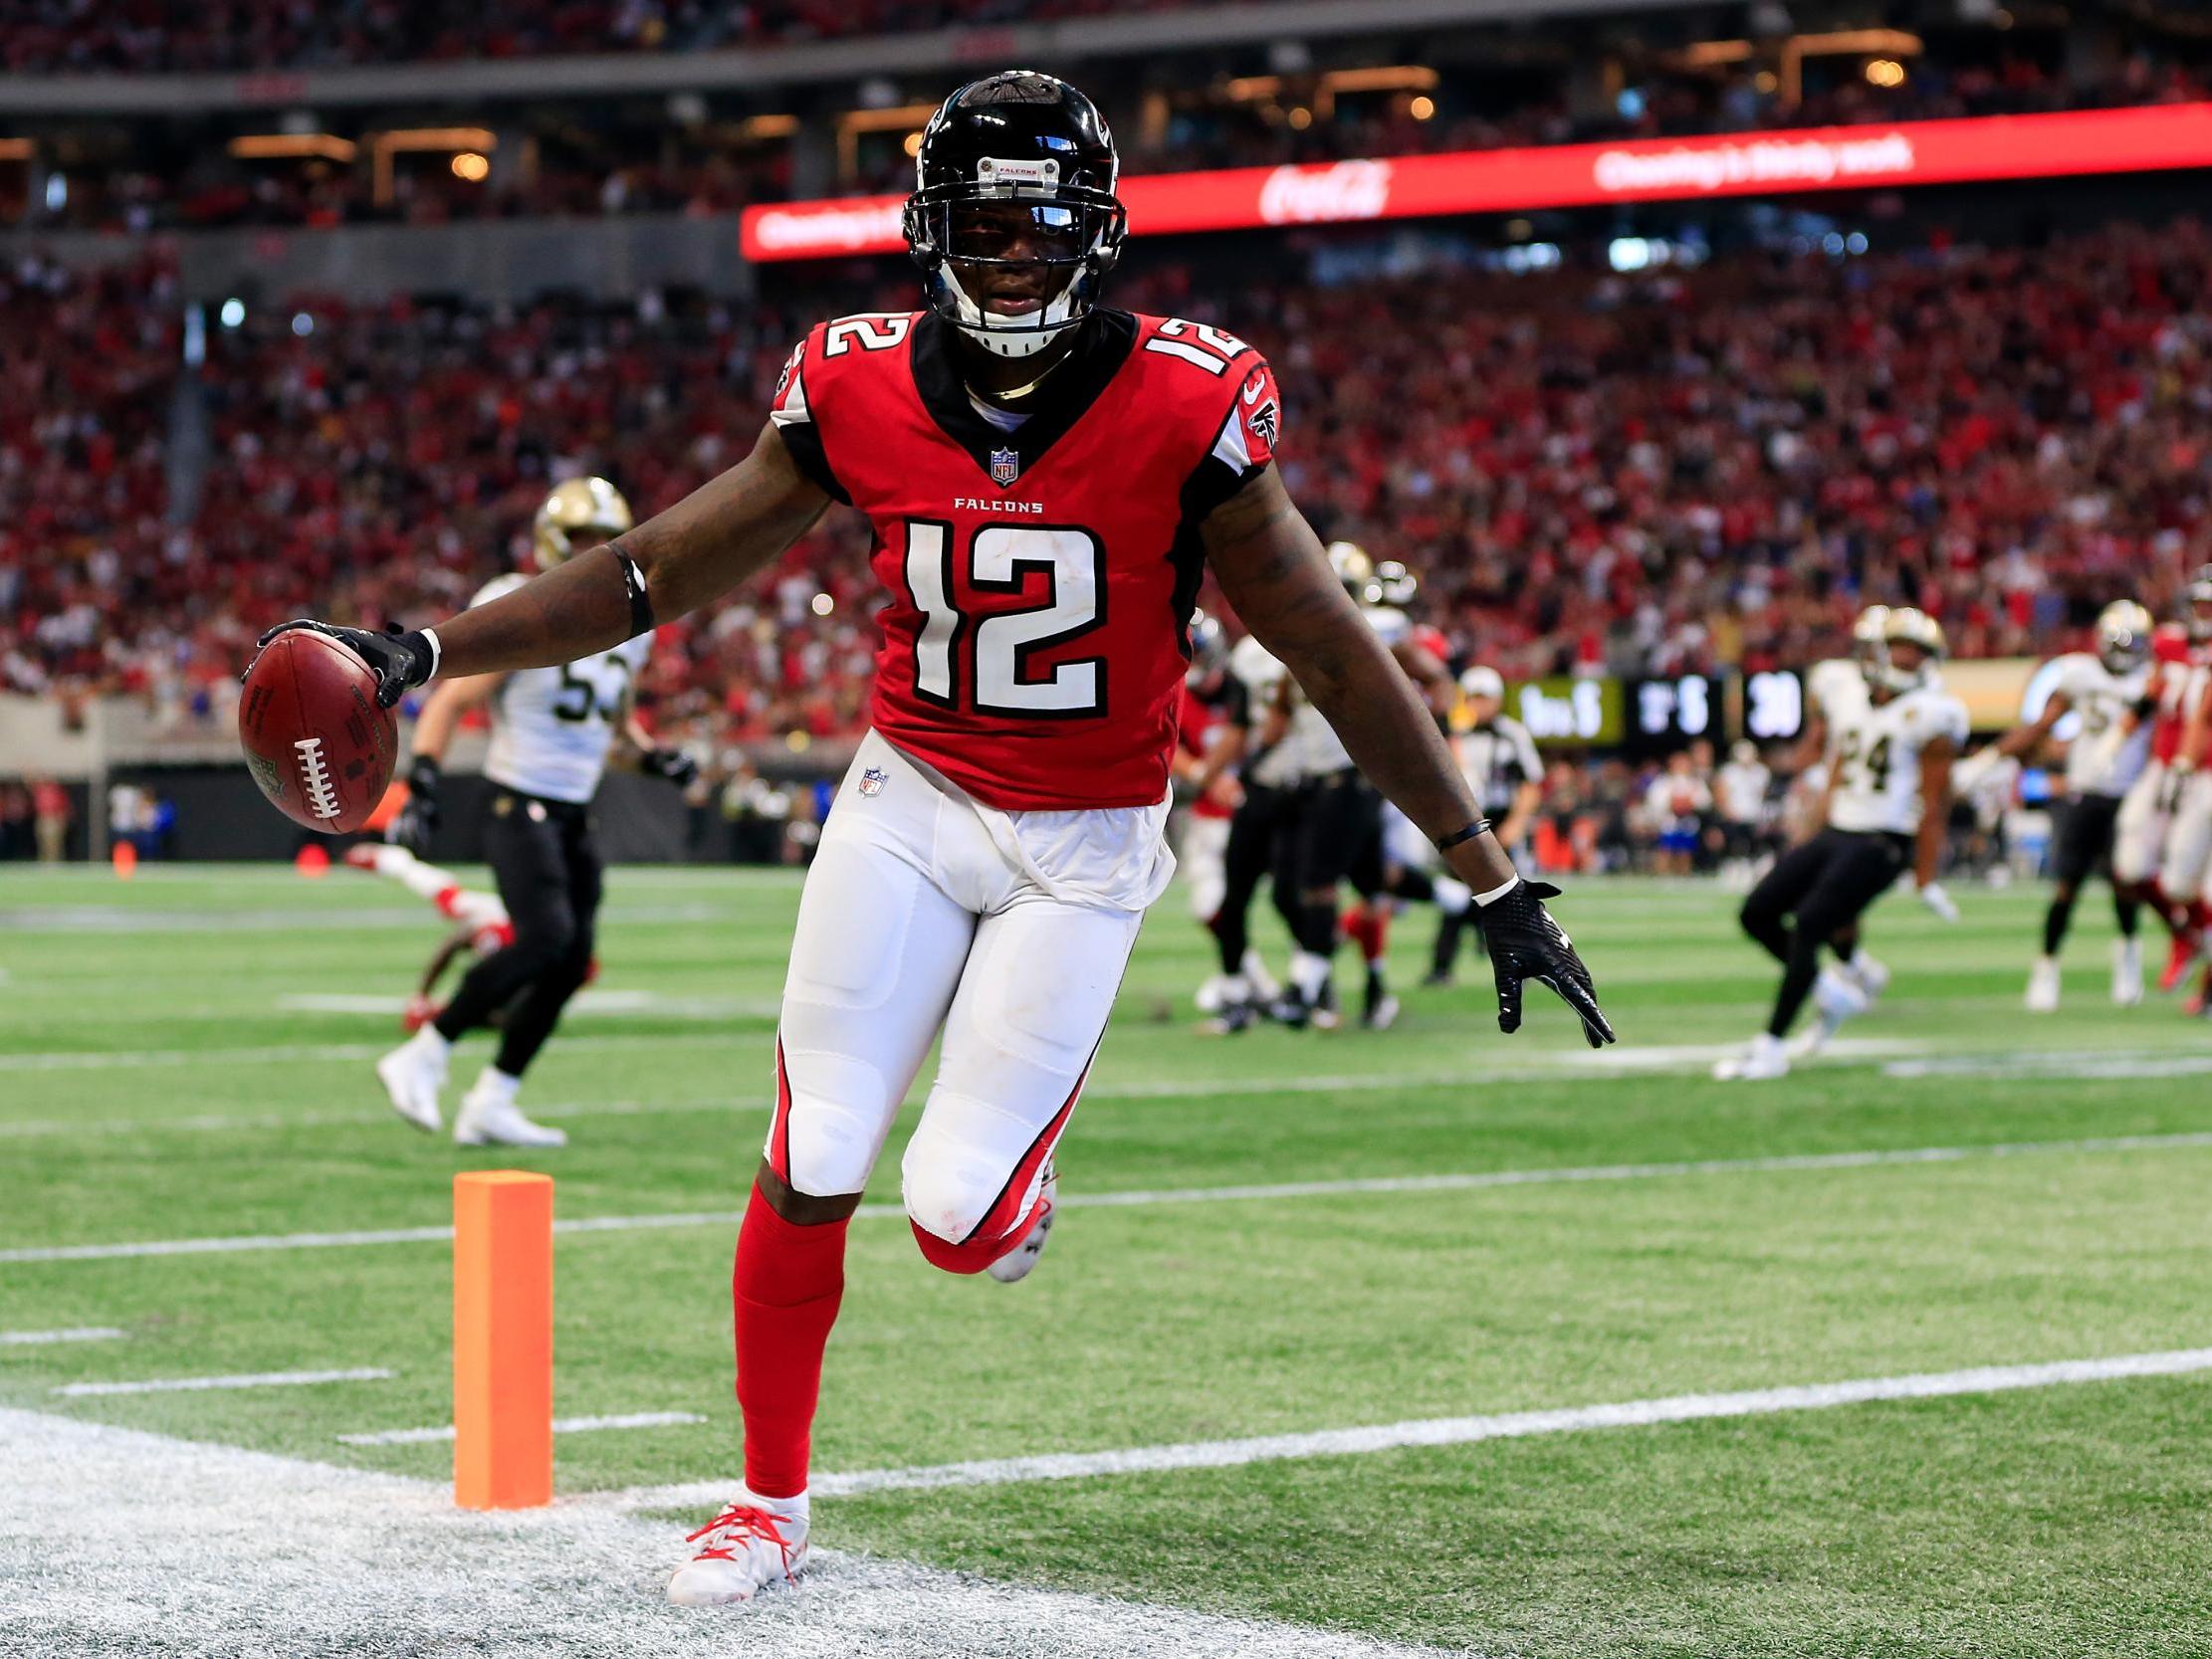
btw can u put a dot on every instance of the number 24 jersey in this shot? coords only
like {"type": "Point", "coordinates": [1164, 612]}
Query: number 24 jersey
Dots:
{"type": "Point", "coordinates": [1874, 755]}
{"type": "Point", "coordinates": [1040, 579]}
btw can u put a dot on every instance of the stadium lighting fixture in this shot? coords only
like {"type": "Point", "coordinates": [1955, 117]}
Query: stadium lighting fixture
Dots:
{"type": "Point", "coordinates": [768, 127]}
{"type": "Point", "coordinates": [470, 165]}
{"type": "Point", "coordinates": [1884, 72]}
{"type": "Point", "coordinates": [382, 146]}
{"type": "Point", "coordinates": [906, 119]}
{"type": "Point", "coordinates": [15, 149]}
{"type": "Point", "coordinates": [293, 147]}
{"type": "Point", "coordinates": [1422, 107]}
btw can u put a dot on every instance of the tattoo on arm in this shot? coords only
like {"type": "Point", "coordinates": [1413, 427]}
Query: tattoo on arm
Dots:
{"type": "Point", "coordinates": [1275, 573]}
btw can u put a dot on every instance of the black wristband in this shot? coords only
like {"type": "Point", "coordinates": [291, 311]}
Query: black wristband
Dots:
{"type": "Point", "coordinates": [423, 773]}
{"type": "Point", "coordinates": [1479, 827]}
{"type": "Point", "coordinates": [641, 602]}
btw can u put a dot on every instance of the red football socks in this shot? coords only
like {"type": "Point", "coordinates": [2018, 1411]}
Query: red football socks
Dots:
{"type": "Point", "coordinates": [786, 1288]}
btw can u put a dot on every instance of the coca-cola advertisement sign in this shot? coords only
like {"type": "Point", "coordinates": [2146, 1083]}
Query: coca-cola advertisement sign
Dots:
{"type": "Point", "coordinates": [1575, 175]}
{"type": "Point", "coordinates": [1322, 195]}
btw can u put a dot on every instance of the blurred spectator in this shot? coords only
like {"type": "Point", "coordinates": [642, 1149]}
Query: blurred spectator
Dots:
{"type": "Point", "coordinates": [1671, 472]}
{"type": "Point", "coordinates": [51, 812]}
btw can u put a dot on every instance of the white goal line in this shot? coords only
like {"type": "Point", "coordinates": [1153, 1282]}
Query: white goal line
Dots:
{"type": "Point", "coordinates": [1466, 1181]}
{"type": "Point", "coordinates": [1453, 1431]}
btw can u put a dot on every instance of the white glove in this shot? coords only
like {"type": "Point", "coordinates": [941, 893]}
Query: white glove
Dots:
{"type": "Point", "coordinates": [1942, 903]}
{"type": "Point", "coordinates": [1969, 774]}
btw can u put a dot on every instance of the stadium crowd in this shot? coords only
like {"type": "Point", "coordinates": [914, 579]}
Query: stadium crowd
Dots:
{"type": "Point", "coordinates": [1669, 471]}
{"type": "Point", "coordinates": [84, 36]}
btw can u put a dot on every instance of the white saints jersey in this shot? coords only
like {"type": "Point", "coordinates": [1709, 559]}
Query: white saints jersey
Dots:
{"type": "Point", "coordinates": [1836, 689]}
{"type": "Point", "coordinates": [551, 727]}
{"type": "Point", "coordinates": [1874, 754]}
{"type": "Point", "coordinates": [1261, 673]}
{"type": "Point", "coordinates": [1318, 750]}
{"type": "Point", "coordinates": [2104, 758]}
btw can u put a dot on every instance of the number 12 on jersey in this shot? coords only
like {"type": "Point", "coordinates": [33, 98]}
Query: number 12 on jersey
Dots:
{"type": "Point", "coordinates": [1000, 644]}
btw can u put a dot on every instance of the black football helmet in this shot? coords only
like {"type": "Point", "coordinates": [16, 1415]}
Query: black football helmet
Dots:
{"type": "Point", "coordinates": [1031, 141]}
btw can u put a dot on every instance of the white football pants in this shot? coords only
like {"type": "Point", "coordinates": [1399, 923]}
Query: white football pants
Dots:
{"type": "Point", "coordinates": [926, 912]}
{"type": "Point", "coordinates": [1203, 856]}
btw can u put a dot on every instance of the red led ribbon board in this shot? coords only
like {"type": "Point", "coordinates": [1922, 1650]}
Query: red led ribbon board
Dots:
{"type": "Point", "coordinates": [1988, 147]}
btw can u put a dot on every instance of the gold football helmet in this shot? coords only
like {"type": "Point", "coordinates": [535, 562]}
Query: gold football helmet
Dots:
{"type": "Point", "coordinates": [1905, 625]}
{"type": "Point", "coordinates": [1356, 571]}
{"type": "Point", "coordinates": [580, 512]}
{"type": "Point", "coordinates": [2123, 636]}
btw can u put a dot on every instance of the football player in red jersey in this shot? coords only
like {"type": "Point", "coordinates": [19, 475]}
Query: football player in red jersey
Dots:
{"type": "Point", "coordinates": [1045, 478]}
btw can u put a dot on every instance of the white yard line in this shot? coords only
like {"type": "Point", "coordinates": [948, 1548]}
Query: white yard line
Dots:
{"type": "Point", "coordinates": [243, 1380]}
{"type": "Point", "coordinates": [561, 1425]}
{"type": "Point", "coordinates": [75, 1334]}
{"type": "Point", "coordinates": [1460, 1431]}
{"type": "Point", "coordinates": [1470, 1181]}
{"type": "Point", "coordinates": [113, 1541]}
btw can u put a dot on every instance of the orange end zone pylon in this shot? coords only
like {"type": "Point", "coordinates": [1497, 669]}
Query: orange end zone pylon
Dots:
{"type": "Point", "coordinates": [502, 1340]}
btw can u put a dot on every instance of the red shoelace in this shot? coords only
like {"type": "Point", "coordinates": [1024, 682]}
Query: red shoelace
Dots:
{"type": "Point", "coordinates": [742, 1521]}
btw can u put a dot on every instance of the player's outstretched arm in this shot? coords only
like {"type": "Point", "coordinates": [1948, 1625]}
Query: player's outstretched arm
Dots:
{"type": "Point", "coordinates": [1935, 822]}
{"type": "Point", "coordinates": [1272, 570]}
{"type": "Point", "coordinates": [724, 532]}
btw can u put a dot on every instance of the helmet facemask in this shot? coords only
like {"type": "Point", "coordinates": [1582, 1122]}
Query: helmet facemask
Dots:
{"type": "Point", "coordinates": [965, 233]}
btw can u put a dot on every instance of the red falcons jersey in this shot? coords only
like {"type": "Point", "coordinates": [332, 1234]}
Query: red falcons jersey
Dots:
{"type": "Point", "coordinates": [1040, 578]}
{"type": "Point", "coordinates": [2176, 685]}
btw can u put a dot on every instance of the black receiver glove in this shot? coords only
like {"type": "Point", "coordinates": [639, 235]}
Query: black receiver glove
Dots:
{"type": "Point", "coordinates": [672, 763]}
{"type": "Point", "coordinates": [399, 658]}
{"type": "Point", "coordinates": [1526, 944]}
{"type": "Point", "coordinates": [419, 819]}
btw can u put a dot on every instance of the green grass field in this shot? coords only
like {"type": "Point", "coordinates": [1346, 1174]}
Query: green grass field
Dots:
{"type": "Point", "coordinates": [187, 1056]}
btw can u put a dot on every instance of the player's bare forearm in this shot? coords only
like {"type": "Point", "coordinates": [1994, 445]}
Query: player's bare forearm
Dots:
{"type": "Point", "coordinates": [1936, 813]}
{"type": "Point", "coordinates": [442, 712]}
{"type": "Point", "coordinates": [1272, 570]}
{"type": "Point", "coordinates": [727, 529]}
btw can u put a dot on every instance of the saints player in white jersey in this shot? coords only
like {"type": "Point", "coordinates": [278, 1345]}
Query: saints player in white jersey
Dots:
{"type": "Point", "coordinates": [1497, 757]}
{"type": "Point", "coordinates": [1835, 694]}
{"type": "Point", "coordinates": [1889, 796]}
{"type": "Point", "coordinates": [1336, 830]}
{"type": "Point", "coordinates": [2106, 755]}
{"type": "Point", "coordinates": [552, 729]}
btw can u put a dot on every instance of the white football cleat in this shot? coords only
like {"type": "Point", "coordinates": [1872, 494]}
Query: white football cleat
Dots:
{"type": "Point", "coordinates": [2127, 971]}
{"type": "Point", "coordinates": [1766, 1057]}
{"type": "Point", "coordinates": [412, 1075]}
{"type": "Point", "coordinates": [2043, 986]}
{"type": "Point", "coordinates": [1254, 972]}
{"type": "Point", "coordinates": [1017, 1263]}
{"type": "Point", "coordinates": [1836, 998]}
{"type": "Point", "coordinates": [489, 1116]}
{"type": "Point", "coordinates": [1215, 993]}
{"type": "Point", "coordinates": [1869, 975]}
{"type": "Point", "coordinates": [752, 1543]}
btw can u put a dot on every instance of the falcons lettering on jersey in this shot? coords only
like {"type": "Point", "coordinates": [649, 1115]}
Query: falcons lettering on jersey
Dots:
{"type": "Point", "coordinates": [1040, 578]}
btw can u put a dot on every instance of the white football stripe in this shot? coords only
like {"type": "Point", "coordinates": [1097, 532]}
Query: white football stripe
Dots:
{"type": "Point", "coordinates": [235, 1552]}
{"type": "Point", "coordinates": [75, 1334]}
{"type": "Point", "coordinates": [244, 1379]}
{"type": "Point", "coordinates": [1470, 1181]}
{"type": "Point", "coordinates": [561, 1425]}
{"type": "Point", "coordinates": [1460, 1431]}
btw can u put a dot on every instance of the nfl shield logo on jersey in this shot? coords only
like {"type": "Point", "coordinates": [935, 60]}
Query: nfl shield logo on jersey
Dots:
{"type": "Point", "coordinates": [873, 780]}
{"type": "Point", "coordinates": [1006, 466]}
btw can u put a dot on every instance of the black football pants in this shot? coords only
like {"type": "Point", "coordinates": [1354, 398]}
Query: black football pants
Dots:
{"type": "Point", "coordinates": [549, 879]}
{"type": "Point", "coordinates": [1812, 893]}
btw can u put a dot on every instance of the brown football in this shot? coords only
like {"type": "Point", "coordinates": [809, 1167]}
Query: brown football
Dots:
{"type": "Point", "coordinates": [314, 739]}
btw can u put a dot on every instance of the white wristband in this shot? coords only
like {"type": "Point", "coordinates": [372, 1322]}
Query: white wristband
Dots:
{"type": "Point", "coordinates": [437, 654]}
{"type": "Point", "coordinates": [1498, 892]}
